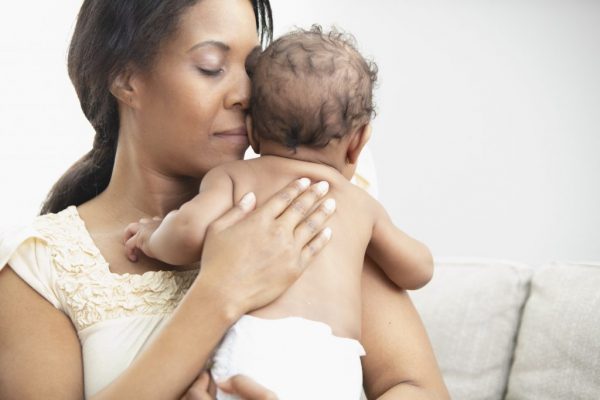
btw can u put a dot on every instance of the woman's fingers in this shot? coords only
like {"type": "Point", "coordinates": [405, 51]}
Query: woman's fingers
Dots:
{"type": "Point", "coordinates": [246, 388]}
{"type": "Point", "coordinates": [315, 222]}
{"type": "Point", "coordinates": [236, 213]}
{"type": "Point", "coordinates": [258, 255]}
{"type": "Point", "coordinates": [302, 204]}
{"type": "Point", "coordinates": [199, 389]}
{"type": "Point", "coordinates": [315, 246]}
{"type": "Point", "coordinates": [279, 202]}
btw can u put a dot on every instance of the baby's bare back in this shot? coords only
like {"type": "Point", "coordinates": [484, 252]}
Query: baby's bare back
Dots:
{"type": "Point", "coordinates": [329, 289]}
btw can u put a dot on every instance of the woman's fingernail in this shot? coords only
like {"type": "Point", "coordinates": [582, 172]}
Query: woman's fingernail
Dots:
{"type": "Point", "coordinates": [322, 187]}
{"type": "Point", "coordinates": [303, 183]}
{"type": "Point", "coordinates": [329, 205]}
{"type": "Point", "coordinates": [247, 200]}
{"type": "Point", "coordinates": [327, 233]}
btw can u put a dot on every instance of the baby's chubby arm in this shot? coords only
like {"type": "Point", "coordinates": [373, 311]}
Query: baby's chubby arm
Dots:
{"type": "Point", "coordinates": [177, 239]}
{"type": "Point", "coordinates": [406, 261]}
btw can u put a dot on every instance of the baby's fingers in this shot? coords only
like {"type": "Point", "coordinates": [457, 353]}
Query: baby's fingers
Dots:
{"type": "Point", "coordinates": [131, 249]}
{"type": "Point", "coordinates": [130, 231]}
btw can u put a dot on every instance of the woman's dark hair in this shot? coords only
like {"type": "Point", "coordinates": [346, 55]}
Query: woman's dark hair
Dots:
{"type": "Point", "coordinates": [108, 36]}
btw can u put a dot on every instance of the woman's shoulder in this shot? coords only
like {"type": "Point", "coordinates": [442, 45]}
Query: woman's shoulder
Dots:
{"type": "Point", "coordinates": [29, 249]}
{"type": "Point", "coordinates": [58, 227]}
{"type": "Point", "coordinates": [47, 227]}
{"type": "Point", "coordinates": [41, 227]}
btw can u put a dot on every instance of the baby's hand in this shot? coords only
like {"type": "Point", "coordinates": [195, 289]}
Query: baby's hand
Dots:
{"type": "Point", "coordinates": [137, 235]}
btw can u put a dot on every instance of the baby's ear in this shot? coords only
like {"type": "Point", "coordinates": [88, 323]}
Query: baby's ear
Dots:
{"type": "Point", "coordinates": [253, 140]}
{"type": "Point", "coordinates": [357, 142]}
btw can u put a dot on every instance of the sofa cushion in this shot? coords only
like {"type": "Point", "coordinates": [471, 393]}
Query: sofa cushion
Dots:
{"type": "Point", "coordinates": [471, 310]}
{"type": "Point", "coordinates": [558, 347]}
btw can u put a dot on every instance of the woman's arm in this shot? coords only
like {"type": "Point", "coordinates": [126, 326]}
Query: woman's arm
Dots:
{"type": "Point", "coordinates": [40, 354]}
{"type": "Point", "coordinates": [249, 259]}
{"type": "Point", "coordinates": [400, 363]}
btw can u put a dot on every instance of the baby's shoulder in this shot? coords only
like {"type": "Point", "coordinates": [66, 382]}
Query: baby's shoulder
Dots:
{"type": "Point", "coordinates": [222, 176]}
{"type": "Point", "coordinates": [236, 169]}
{"type": "Point", "coordinates": [240, 172]}
{"type": "Point", "coordinates": [357, 199]}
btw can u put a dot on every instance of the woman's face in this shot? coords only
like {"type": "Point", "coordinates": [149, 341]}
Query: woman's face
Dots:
{"type": "Point", "coordinates": [192, 103]}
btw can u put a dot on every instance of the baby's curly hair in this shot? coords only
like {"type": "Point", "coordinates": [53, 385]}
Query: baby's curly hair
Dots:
{"type": "Point", "coordinates": [309, 87]}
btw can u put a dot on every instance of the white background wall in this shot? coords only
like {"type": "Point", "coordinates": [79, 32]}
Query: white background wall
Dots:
{"type": "Point", "coordinates": [487, 138]}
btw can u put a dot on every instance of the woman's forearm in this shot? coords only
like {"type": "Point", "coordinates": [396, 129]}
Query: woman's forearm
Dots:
{"type": "Point", "coordinates": [408, 391]}
{"type": "Point", "coordinates": [177, 355]}
{"type": "Point", "coordinates": [400, 363]}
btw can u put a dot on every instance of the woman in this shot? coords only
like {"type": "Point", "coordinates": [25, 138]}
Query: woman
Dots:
{"type": "Point", "coordinates": [164, 85]}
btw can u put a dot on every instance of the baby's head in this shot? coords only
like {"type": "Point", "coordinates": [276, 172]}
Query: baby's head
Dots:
{"type": "Point", "coordinates": [310, 87]}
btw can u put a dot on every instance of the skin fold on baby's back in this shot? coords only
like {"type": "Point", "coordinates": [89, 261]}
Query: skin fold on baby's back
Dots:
{"type": "Point", "coordinates": [329, 289]}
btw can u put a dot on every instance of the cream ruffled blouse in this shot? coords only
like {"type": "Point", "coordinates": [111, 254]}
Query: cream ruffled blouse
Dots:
{"type": "Point", "coordinates": [114, 315]}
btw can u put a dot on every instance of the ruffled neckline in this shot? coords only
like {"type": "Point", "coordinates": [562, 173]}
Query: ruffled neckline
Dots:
{"type": "Point", "coordinates": [91, 246]}
{"type": "Point", "coordinates": [88, 291]}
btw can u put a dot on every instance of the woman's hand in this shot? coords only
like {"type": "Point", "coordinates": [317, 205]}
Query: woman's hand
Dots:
{"type": "Point", "coordinates": [240, 385]}
{"type": "Point", "coordinates": [251, 256]}
{"type": "Point", "coordinates": [201, 389]}
{"type": "Point", "coordinates": [246, 388]}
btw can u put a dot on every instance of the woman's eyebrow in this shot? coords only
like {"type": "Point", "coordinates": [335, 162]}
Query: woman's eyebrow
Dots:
{"type": "Point", "coordinates": [214, 43]}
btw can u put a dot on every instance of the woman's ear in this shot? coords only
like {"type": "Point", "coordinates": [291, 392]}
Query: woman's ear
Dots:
{"type": "Point", "coordinates": [124, 87]}
{"type": "Point", "coordinates": [253, 140]}
{"type": "Point", "coordinates": [357, 142]}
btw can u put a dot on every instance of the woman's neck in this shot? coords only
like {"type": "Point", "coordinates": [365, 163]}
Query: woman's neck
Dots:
{"type": "Point", "coordinates": [137, 190]}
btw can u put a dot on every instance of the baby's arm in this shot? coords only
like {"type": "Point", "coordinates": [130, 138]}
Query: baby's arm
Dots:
{"type": "Point", "coordinates": [178, 238]}
{"type": "Point", "coordinates": [406, 261]}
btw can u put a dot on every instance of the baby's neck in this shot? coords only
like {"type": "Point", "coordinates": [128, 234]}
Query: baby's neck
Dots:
{"type": "Point", "coordinates": [321, 156]}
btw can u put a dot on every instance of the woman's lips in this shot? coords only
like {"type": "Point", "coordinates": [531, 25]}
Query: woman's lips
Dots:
{"type": "Point", "coordinates": [237, 135]}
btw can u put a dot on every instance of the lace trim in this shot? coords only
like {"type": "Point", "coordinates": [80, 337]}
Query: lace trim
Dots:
{"type": "Point", "coordinates": [89, 292]}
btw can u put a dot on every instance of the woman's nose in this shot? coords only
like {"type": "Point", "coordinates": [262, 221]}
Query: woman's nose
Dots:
{"type": "Point", "coordinates": [239, 94]}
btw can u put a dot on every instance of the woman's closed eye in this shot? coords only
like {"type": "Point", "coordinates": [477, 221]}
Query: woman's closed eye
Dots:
{"type": "Point", "coordinates": [210, 71]}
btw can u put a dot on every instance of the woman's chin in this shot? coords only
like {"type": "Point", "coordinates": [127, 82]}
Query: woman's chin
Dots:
{"type": "Point", "coordinates": [234, 153]}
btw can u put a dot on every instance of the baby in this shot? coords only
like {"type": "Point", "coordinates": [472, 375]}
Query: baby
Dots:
{"type": "Point", "coordinates": [311, 108]}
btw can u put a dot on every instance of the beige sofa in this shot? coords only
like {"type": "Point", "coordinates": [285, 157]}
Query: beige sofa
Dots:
{"type": "Point", "coordinates": [506, 330]}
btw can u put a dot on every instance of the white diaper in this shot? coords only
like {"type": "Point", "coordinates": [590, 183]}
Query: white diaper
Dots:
{"type": "Point", "coordinates": [294, 357]}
